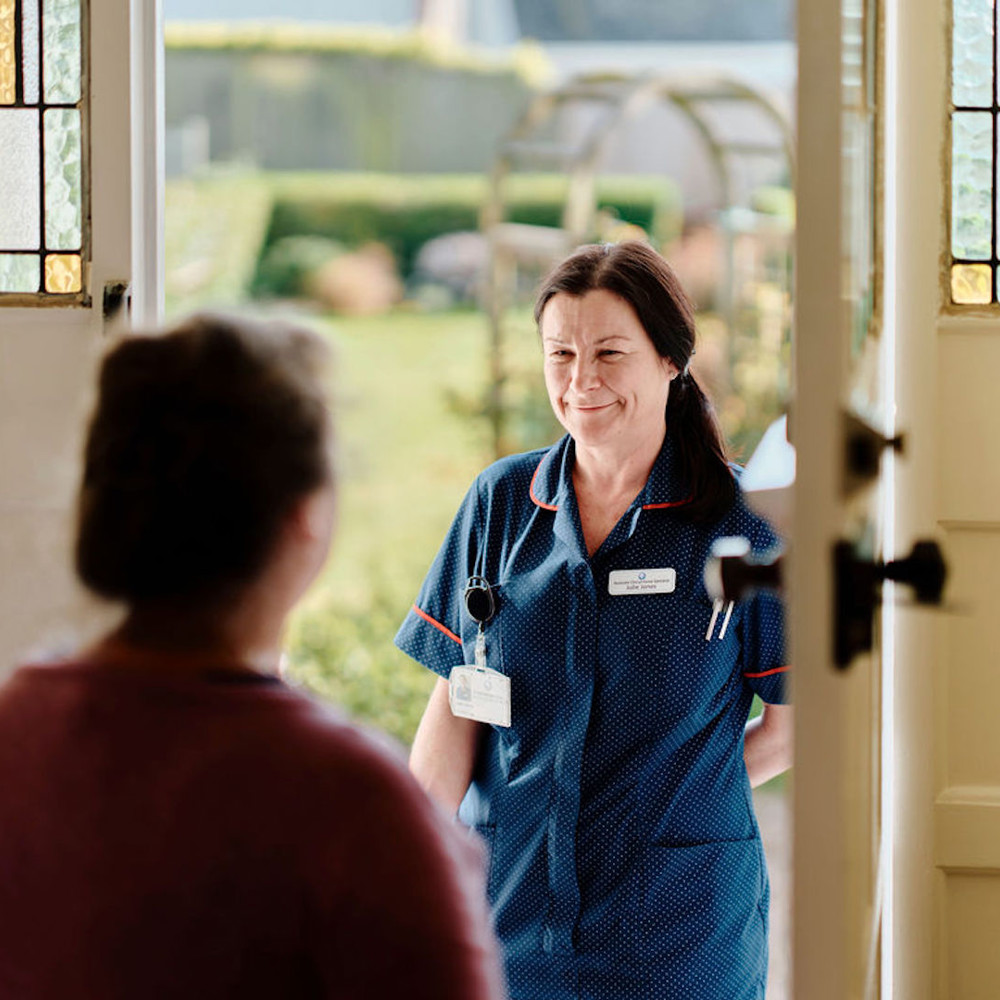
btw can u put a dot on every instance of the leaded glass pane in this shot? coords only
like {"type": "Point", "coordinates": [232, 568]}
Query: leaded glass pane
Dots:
{"type": "Point", "coordinates": [63, 216]}
{"type": "Point", "coordinates": [972, 185]}
{"type": "Point", "coordinates": [19, 272]}
{"type": "Point", "coordinates": [8, 58]}
{"type": "Point", "coordinates": [972, 53]}
{"type": "Point", "coordinates": [61, 21]}
{"type": "Point", "coordinates": [29, 48]}
{"type": "Point", "coordinates": [20, 191]}
{"type": "Point", "coordinates": [43, 204]}
{"type": "Point", "coordinates": [63, 273]}
{"type": "Point", "coordinates": [971, 284]}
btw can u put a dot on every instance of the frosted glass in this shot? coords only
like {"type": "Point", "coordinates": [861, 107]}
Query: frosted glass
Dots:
{"type": "Point", "coordinates": [8, 64]}
{"type": "Point", "coordinates": [63, 180]}
{"type": "Point", "coordinates": [29, 49]}
{"type": "Point", "coordinates": [61, 28]}
{"type": "Point", "coordinates": [970, 284]}
{"type": "Point", "coordinates": [852, 52]}
{"type": "Point", "coordinates": [19, 272]}
{"type": "Point", "coordinates": [63, 273]}
{"type": "Point", "coordinates": [972, 53]}
{"type": "Point", "coordinates": [20, 190]}
{"type": "Point", "coordinates": [972, 185]}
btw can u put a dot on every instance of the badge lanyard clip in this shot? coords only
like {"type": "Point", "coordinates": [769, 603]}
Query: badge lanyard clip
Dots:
{"type": "Point", "coordinates": [477, 692]}
{"type": "Point", "coordinates": [480, 602]}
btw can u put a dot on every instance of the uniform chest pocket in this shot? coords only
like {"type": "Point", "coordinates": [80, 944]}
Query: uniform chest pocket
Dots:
{"type": "Point", "coordinates": [676, 651]}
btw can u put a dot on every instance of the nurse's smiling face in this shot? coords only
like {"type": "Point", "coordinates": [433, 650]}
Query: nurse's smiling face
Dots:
{"type": "Point", "coordinates": [607, 384]}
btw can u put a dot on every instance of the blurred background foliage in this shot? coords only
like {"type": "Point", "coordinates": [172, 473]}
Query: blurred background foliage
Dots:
{"type": "Point", "coordinates": [368, 229]}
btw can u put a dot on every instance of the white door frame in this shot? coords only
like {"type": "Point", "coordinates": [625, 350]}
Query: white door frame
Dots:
{"type": "Point", "coordinates": [833, 807]}
{"type": "Point", "coordinates": [918, 127]}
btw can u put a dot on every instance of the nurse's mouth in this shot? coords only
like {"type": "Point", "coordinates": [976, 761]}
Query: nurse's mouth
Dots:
{"type": "Point", "coordinates": [589, 409]}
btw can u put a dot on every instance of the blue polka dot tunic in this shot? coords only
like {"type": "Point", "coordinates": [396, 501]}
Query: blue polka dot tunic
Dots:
{"type": "Point", "coordinates": [625, 857]}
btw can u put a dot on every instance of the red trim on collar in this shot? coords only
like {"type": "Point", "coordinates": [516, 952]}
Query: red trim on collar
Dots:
{"type": "Point", "coordinates": [662, 506]}
{"type": "Point", "coordinates": [531, 491]}
{"type": "Point", "coordinates": [553, 506]}
{"type": "Point", "coordinates": [427, 618]}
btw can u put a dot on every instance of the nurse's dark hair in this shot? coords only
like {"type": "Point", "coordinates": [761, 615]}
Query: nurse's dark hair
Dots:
{"type": "Point", "coordinates": [202, 440]}
{"type": "Point", "coordinates": [638, 274]}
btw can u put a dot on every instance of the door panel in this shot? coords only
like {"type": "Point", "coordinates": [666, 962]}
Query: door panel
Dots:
{"type": "Point", "coordinates": [839, 368]}
{"type": "Point", "coordinates": [47, 355]}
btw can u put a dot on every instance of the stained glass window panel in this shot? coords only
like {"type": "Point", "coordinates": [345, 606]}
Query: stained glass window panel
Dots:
{"type": "Point", "coordinates": [974, 276]}
{"type": "Point", "coordinates": [20, 190]}
{"type": "Point", "coordinates": [61, 29]}
{"type": "Point", "coordinates": [44, 232]}
{"type": "Point", "coordinates": [63, 218]}
{"type": "Point", "coordinates": [8, 53]}
{"type": "Point", "coordinates": [972, 185]}
{"type": "Point", "coordinates": [19, 272]}
{"type": "Point", "coordinates": [29, 49]}
{"type": "Point", "coordinates": [972, 54]}
{"type": "Point", "coordinates": [971, 284]}
{"type": "Point", "coordinates": [63, 273]}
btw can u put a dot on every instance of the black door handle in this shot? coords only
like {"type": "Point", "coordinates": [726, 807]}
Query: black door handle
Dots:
{"type": "Point", "coordinates": [858, 591]}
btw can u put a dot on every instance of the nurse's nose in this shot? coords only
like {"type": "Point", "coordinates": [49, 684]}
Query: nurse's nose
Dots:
{"type": "Point", "coordinates": [585, 374]}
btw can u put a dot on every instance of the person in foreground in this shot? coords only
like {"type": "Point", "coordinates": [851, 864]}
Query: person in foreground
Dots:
{"type": "Point", "coordinates": [176, 822]}
{"type": "Point", "coordinates": [612, 780]}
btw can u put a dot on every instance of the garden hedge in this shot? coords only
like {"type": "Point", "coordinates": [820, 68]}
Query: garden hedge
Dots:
{"type": "Point", "coordinates": [405, 210]}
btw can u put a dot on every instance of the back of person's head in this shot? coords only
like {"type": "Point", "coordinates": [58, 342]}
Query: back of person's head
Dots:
{"type": "Point", "coordinates": [203, 440]}
{"type": "Point", "coordinates": [636, 273]}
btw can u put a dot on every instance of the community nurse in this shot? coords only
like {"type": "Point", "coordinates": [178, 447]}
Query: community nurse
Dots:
{"type": "Point", "coordinates": [626, 859]}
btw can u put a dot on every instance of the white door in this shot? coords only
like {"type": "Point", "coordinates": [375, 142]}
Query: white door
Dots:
{"type": "Point", "coordinates": [78, 213]}
{"type": "Point", "coordinates": [947, 737]}
{"type": "Point", "coordinates": [839, 347]}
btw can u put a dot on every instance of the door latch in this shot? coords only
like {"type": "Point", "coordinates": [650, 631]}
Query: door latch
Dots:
{"type": "Point", "coordinates": [117, 305]}
{"type": "Point", "coordinates": [863, 450]}
{"type": "Point", "coordinates": [858, 591]}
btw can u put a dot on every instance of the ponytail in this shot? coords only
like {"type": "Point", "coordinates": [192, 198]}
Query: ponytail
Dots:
{"type": "Point", "coordinates": [699, 450]}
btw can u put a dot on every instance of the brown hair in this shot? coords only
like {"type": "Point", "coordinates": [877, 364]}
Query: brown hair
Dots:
{"type": "Point", "coordinates": [202, 440]}
{"type": "Point", "coordinates": [638, 274]}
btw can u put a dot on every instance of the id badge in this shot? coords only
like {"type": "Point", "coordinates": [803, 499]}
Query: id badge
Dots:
{"type": "Point", "coordinates": [642, 581]}
{"type": "Point", "coordinates": [481, 694]}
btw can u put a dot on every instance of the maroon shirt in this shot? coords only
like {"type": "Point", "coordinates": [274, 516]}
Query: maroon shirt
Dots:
{"type": "Point", "coordinates": [211, 834]}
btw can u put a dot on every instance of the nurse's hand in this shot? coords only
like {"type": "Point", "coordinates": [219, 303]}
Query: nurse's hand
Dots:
{"type": "Point", "coordinates": [444, 750]}
{"type": "Point", "coordinates": [767, 746]}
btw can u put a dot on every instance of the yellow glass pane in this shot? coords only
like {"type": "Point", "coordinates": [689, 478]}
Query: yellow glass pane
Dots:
{"type": "Point", "coordinates": [63, 273]}
{"type": "Point", "coordinates": [971, 284]}
{"type": "Point", "coordinates": [8, 64]}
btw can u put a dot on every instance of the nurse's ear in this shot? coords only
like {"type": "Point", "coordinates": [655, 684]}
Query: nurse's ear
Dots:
{"type": "Point", "coordinates": [670, 369]}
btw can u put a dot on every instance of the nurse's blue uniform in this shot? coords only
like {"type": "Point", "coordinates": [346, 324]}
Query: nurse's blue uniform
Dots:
{"type": "Point", "coordinates": [625, 857]}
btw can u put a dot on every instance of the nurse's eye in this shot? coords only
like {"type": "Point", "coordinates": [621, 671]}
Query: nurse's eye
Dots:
{"type": "Point", "coordinates": [560, 354]}
{"type": "Point", "coordinates": [608, 352]}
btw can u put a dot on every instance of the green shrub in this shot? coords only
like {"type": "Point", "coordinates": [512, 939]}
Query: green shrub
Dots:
{"type": "Point", "coordinates": [404, 211]}
{"type": "Point", "coordinates": [286, 266]}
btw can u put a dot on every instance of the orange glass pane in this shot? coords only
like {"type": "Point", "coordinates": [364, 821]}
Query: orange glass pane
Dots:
{"type": "Point", "coordinates": [971, 284]}
{"type": "Point", "coordinates": [8, 64]}
{"type": "Point", "coordinates": [63, 273]}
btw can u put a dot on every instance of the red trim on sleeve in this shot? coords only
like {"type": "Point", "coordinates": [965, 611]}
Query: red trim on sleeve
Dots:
{"type": "Point", "coordinates": [427, 618]}
{"type": "Point", "coordinates": [531, 492]}
{"type": "Point", "coordinates": [767, 673]}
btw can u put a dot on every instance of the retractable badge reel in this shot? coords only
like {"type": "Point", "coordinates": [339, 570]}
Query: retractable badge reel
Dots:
{"type": "Point", "coordinates": [478, 692]}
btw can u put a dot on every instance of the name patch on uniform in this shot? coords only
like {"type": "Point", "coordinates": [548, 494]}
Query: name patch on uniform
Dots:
{"type": "Point", "coordinates": [642, 581]}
